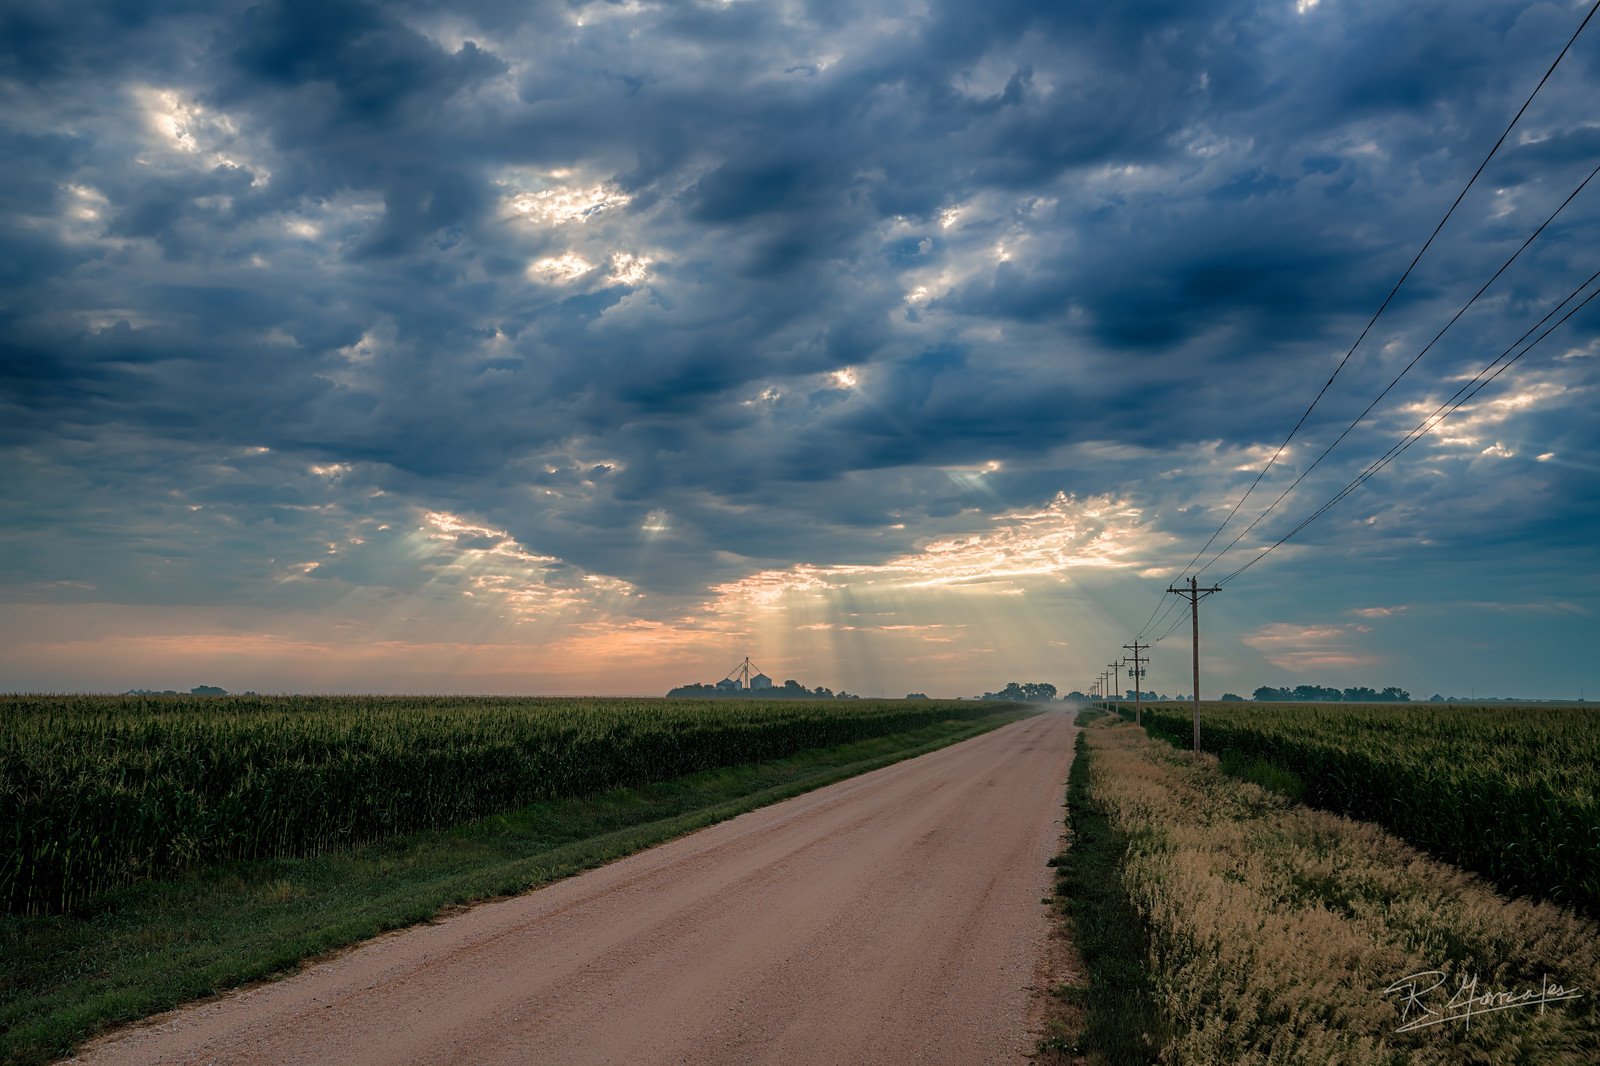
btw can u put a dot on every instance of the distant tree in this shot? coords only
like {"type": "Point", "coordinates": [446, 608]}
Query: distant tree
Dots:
{"type": "Point", "coordinates": [916, 695]}
{"type": "Point", "coordinates": [825, 693]}
{"type": "Point", "coordinates": [1031, 692]}
{"type": "Point", "coordinates": [207, 690]}
{"type": "Point", "coordinates": [1075, 695]}
{"type": "Point", "coordinates": [695, 690]}
{"type": "Point", "coordinates": [1324, 694]}
{"type": "Point", "coordinates": [1229, 697]}
{"type": "Point", "coordinates": [1435, 698]}
{"type": "Point", "coordinates": [793, 686]}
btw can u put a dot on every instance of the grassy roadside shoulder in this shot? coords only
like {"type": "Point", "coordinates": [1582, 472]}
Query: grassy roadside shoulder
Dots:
{"type": "Point", "coordinates": [1104, 1015]}
{"type": "Point", "coordinates": [153, 946]}
{"type": "Point", "coordinates": [1276, 933]}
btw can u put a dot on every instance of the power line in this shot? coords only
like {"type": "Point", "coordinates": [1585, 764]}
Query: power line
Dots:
{"type": "Point", "coordinates": [1177, 622]}
{"type": "Point", "coordinates": [1390, 297]}
{"type": "Point", "coordinates": [1474, 386]}
{"type": "Point", "coordinates": [1149, 623]}
{"type": "Point", "coordinates": [1407, 369]}
{"type": "Point", "coordinates": [1164, 609]}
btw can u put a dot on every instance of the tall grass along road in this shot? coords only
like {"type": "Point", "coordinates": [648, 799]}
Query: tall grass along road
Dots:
{"type": "Point", "coordinates": [1269, 932]}
{"type": "Point", "coordinates": [1510, 792]}
{"type": "Point", "coordinates": [893, 917]}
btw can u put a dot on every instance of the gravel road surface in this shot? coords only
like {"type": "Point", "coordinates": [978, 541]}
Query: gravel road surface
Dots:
{"type": "Point", "coordinates": [891, 918]}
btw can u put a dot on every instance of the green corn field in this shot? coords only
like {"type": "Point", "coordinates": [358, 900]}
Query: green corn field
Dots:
{"type": "Point", "coordinates": [1510, 792]}
{"type": "Point", "coordinates": [102, 791]}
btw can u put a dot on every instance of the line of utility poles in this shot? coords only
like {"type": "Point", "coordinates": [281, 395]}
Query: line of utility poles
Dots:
{"type": "Point", "coordinates": [1137, 661]}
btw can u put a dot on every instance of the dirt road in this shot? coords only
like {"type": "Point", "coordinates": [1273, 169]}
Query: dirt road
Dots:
{"type": "Point", "coordinates": [891, 918]}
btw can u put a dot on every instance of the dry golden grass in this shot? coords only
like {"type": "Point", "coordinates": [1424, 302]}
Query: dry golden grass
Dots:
{"type": "Point", "coordinates": [1275, 929]}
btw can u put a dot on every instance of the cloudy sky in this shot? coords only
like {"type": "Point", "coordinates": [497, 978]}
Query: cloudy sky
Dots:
{"type": "Point", "coordinates": [558, 347]}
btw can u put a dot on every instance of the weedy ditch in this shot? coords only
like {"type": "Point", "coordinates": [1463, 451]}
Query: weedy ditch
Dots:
{"type": "Point", "coordinates": [1105, 1014]}
{"type": "Point", "coordinates": [1277, 933]}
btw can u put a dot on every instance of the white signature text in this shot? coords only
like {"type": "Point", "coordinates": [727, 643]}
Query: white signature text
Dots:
{"type": "Point", "coordinates": [1427, 998]}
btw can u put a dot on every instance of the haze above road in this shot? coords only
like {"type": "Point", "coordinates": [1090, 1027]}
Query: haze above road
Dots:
{"type": "Point", "coordinates": [893, 917]}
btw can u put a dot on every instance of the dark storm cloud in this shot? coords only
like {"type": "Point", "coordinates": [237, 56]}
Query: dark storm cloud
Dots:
{"type": "Point", "coordinates": [316, 228]}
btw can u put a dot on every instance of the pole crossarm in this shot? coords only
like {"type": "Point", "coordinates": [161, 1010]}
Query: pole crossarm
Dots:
{"type": "Point", "coordinates": [1197, 593]}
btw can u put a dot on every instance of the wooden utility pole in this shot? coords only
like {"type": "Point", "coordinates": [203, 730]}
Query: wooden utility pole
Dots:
{"type": "Point", "coordinates": [1194, 594]}
{"type": "Point", "coordinates": [1114, 672]}
{"type": "Point", "coordinates": [1137, 673]}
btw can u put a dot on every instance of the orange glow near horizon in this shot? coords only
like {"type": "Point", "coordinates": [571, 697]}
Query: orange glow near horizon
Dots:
{"type": "Point", "coordinates": [495, 616]}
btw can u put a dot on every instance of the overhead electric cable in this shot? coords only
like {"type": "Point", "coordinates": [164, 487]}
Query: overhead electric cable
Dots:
{"type": "Point", "coordinates": [1390, 297]}
{"type": "Point", "coordinates": [1405, 370]}
{"type": "Point", "coordinates": [1150, 623]}
{"type": "Point", "coordinates": [1177, 624]}
{"type": "Point", "coordinates": [1474, 385]}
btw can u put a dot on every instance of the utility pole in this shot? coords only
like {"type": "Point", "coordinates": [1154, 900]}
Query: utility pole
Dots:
{"type": "Point", "coordinates": [1194, 594]}
{"type": "Point", "coordinates": [1137, 673]}
{"type": "Point", "coordinates": [743, 670]}
{"type": "Point", "coordinates": [1113, 671]}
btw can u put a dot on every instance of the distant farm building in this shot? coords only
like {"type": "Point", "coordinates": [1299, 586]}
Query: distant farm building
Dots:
{"type": "Point", "coordinates": [746, 681]}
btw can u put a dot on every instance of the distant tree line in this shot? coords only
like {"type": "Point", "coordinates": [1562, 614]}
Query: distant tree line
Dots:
{"type": "Point", "coordinates": [198, 690]}
{"type": "Point", "coordinates": [789, 690]}
{"type": "Point", "coordinates": [1323, 694]}
{"type": "Point", "coordinates": [1032, 692]}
